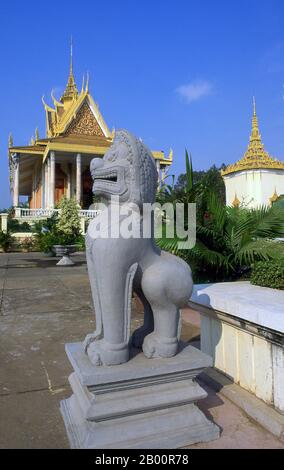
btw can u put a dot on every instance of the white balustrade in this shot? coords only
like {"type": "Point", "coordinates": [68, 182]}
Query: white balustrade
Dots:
{"type": "Point", "coordinates": [88, 214]}
{"type": "Point", "coordinates": [33, 213]}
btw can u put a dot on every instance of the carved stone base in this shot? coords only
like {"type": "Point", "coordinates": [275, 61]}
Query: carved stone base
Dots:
{"type": "Point", "coordinates": [143, 404]}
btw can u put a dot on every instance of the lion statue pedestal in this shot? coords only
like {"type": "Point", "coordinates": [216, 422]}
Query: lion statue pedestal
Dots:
{"type": "Point", "coordinates": [142, 404]}
{"type": "Point", "coordinates": [122, 397]}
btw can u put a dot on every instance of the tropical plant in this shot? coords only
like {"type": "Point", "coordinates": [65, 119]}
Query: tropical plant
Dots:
{"type": "Point", "coordinates": [15, 226]}
{"type": "Point", "coordinates": [210, 178]}
{"type": "Point", "coordinates": [6, 240]}
{"type": "Point", "coordinates": [190, 192]}
{"type": "Point", "coordinates": [228, 240]}
{"type": "Point", "coordinates": [45, 233]}
{"type": "Point", "coordinates": [68, 223]}
{"type": "Point", "coordinates": [46, 240]}
{"type": "Point", "coordinates": [62, 229]}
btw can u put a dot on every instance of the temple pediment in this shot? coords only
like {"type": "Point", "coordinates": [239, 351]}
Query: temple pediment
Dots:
{"type": "Point", "coordinates": [85, 122]}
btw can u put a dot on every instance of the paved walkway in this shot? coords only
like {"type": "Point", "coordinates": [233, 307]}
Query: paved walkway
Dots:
{"type": "Point", "coordinates": [42, 307]}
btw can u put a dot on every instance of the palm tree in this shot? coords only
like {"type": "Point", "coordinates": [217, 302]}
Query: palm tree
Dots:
{"type": "Point", "coordinates": [228, 239]}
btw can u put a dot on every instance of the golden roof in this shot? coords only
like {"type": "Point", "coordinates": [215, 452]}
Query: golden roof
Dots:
{"type": "Point", "coordinates": [256, 156]}
{"type": "Point", "coordinates": [75, 124]}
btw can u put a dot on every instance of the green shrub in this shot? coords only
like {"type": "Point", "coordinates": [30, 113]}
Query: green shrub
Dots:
{"type": "Point", "coordinates": [80, 242]}
{"type": "Point", "coordinates": [268, 274]}
{"type": "Point", "coordinates": [6, 240]}
{"type": "Point", "coordinates": [68, 223]}
{"type": "Point", "coordinates": [62, 229]}
{"type": "Point", "coordinates": [15, 226]}
{"type": "Point", "coordinates": [44, 225]}
{"type": "Point", "coordinates": [45, 241]}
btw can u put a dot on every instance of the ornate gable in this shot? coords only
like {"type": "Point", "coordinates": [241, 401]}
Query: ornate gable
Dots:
{"type": "Point", "coordinates": [84, 123]}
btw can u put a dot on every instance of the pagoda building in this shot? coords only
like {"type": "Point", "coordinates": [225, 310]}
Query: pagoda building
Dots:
{"type": "Point", "coordinates": [257, 179]}
{"type": "Point", "coordinates": [58, 165]}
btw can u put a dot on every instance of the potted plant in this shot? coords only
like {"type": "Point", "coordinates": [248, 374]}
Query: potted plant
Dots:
{"type": "Point", "coordinates": [67, 230]}
{"type": "Point", "coordinates": [45, 234]}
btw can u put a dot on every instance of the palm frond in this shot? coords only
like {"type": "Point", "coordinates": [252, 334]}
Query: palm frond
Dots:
{"type": "Point", "coordinates": [259, 249]}
{"type": "Point", "coordinates": [189, 171]}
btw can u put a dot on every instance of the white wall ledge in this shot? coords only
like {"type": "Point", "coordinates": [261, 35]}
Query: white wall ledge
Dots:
{"type": "Point", "coordinates": [260, 305]}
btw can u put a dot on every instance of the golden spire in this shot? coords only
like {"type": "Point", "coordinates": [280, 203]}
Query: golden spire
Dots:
{"type": "Point", "coordinates": [71, 91]}
{"type": "Point", "coordinates": [255, 135]}
{"type": "Point", "coordinates": [256, 156]}
{"type": "Point", "coordinates": [274, 197]}
{"type": "Point", "coordinates": [236, 202]}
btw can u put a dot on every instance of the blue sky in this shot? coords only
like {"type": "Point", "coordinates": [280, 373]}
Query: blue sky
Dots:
{"type": "Point", "coordinates": [176, 73]}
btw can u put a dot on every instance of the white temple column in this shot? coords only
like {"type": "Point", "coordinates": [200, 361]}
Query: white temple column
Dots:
{"type": "Point", "coordinates": [78, 178]}
{"type": "Point", "coordinates": [52, 180]}
{"type": "Point", "coordinates": [16, 163]}
{"type": "Point", "coordinates": [43, 186]}
{"type": "Point", "coordinates": [69, 175]}
{"type": "Point", "coordinates": [46, 184]}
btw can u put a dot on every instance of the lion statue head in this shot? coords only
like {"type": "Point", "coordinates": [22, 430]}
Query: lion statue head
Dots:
{"type": "Point", "coordinates": [127, 170]}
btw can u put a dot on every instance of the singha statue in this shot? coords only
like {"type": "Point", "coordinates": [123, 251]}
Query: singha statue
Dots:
{"type": "Point", "coordinates": [117, 266]}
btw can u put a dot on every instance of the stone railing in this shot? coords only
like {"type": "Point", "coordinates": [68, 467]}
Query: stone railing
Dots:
{"type": "Point", "coordinates": [35, 213]}
{"type": "Point", "coordinates": [88, 214]}
{"type": "Point", "coordinates": [31, 215]}
{"type": "Point", "coordinates": [242, 328]}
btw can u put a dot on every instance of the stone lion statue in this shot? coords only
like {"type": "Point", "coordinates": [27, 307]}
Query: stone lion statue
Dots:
{"type": "Point", "coordinates": [117, 266]}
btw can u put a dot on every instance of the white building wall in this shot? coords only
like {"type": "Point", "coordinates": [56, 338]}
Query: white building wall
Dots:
{"type": "Point", "coordinates": [254, 188]}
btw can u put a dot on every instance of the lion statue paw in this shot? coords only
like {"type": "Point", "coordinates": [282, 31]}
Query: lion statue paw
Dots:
{"type": "Point", "coordinates": [158, 346]}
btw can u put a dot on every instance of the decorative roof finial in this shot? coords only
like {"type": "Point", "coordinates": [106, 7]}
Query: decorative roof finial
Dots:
{"type": "Point", "coordinates": [255, 135]}
{"type": "Point", "coordinates": [236, 202]}
{"type": "Point", "coordinates": [71, 54]}
{"type": "Point", "coordinates": [11, 142]}
{"type": "Point", "coordinates": [55, 102]}
{"type": "Point", "coordinates": [274, 197]}
{"type": "Point", "coordinates": [254, 106]}
{"type": "Point", "coordinates": [83, 83]}
{"type": "Point", "coordinates": [36, 134]}
{"type": "Point", "coordinates": [71, 91]}
{"type": "Point", "coordinates": [87, 83]}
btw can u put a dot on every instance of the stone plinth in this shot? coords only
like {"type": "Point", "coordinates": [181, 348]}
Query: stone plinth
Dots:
{"type": "Point", "coordinates": [144, 403]}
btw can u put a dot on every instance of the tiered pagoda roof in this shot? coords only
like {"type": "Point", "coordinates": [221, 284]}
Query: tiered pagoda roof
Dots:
{"type": "Point", "coordinates": [74, 124]}
{"type": "Point", "coordinates": [256, 157]}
